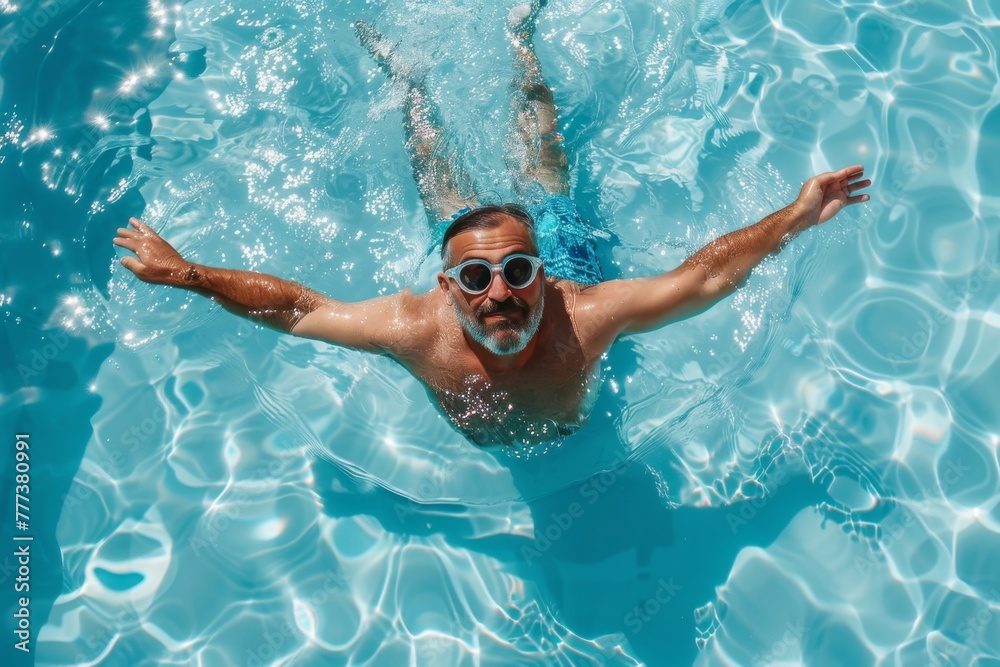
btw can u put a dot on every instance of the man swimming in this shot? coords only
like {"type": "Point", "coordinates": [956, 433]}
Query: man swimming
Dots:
{"type": "Point", "coordinates": [508, 343]}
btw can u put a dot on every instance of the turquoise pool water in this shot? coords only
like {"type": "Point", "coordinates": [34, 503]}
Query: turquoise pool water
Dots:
{"type": "Point", "coordinates": [805, 474]}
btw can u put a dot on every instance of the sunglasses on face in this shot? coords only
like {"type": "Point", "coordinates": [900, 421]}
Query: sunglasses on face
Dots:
{"type": "Point", "coordinates": [475, 275]}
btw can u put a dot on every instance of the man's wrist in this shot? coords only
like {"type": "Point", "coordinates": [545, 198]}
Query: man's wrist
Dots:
{"type": "Point", "coordinates": [187, 275]}
{"type": "Point", "coordinates": [797, 218]}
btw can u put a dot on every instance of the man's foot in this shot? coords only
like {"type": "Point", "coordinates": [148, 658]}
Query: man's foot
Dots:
{"type": "Point", "coordinates": [521, 20]}
{"type": "Point", "coordinates": [380, 48]}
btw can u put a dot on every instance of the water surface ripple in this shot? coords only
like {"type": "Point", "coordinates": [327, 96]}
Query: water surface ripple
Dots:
{"type": "Point", "coordinates": [806, 474]}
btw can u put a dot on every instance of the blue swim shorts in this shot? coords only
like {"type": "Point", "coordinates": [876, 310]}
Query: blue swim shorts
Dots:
{"type": "Point", "coordinates": [565, 242]}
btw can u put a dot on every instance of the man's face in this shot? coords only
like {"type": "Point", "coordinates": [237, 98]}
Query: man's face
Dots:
{"type": "Point", "coordinates": [501, 319]}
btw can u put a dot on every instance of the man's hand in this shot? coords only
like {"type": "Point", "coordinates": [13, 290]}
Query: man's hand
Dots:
{"type": "Point", "coordinates": [617, 307]}
{"type": "Point", "coordinates": [394, 324]}
{"type": "Point", "coordinates": [158, 262]}
{"type": "Point", "coordinates": [825, 195]}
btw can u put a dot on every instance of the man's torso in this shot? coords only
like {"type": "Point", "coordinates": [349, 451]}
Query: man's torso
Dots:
{"type": "Point", "coordinates": [550, 395]}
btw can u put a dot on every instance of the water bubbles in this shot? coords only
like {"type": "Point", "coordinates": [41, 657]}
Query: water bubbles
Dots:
{"type": "Point", "coordinates": [272, 37]}
{"type": "Point", "coordinates": [255, 255]}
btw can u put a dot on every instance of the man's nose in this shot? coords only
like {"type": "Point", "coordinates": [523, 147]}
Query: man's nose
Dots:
{"type": "Point", "coordinates": [499, 291]}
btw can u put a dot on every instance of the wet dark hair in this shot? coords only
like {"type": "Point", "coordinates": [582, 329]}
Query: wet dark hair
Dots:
{"type": "Point", "coordinates": [488, 217]}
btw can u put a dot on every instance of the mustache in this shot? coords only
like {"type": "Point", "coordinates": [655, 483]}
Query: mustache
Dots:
{"type": "Point", "coordinates": [511, 304]}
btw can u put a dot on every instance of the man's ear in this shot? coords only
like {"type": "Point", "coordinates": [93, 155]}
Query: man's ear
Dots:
{"type": "Point", "coordinates": [445, 287]}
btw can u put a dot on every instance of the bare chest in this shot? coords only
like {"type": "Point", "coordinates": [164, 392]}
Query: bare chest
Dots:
{"type": "Point", "coordinates": [526, 407]}
{"type": "Point", "coordinates": [549, 399]}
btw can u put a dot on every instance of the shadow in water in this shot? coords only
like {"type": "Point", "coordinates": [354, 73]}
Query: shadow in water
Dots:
{"type": "Point", "coordinates": [53, 246]}
{"type": "Point", "coordinates": [610, 555]}
{"type": "Point", "coordinates": [615, 557]}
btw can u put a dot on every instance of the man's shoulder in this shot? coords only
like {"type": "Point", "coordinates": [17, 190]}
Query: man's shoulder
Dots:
{"type": "Point", "coordinates": [582, 298]}
{"type": "Point", "coordinates": [420, 317]}
{"type": "Point", "coordinates": [593, 309]}
{"type": "Point", "coordinates": [568, 288]}
{"type": "Point", "coordinates": [418, 310]}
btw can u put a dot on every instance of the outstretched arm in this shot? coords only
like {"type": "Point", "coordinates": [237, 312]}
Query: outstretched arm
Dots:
{"type": "Point", "coordinates": [374, 325]}
{"type": "Point", "coordinates": [621, 307]}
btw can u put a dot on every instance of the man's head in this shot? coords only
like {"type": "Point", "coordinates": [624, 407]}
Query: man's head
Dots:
{"type": "Point", "coordinates": [501, 318]}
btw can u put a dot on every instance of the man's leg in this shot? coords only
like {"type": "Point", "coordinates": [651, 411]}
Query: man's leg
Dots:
{"type": "Point", "coordinates": [543, 158]}
{"type": "Point", "coordinates": [565, 242]}
{"type": "Point", "coordinates": [444, 186]}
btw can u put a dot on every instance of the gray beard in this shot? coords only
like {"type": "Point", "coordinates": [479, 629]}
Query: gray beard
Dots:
{"type": "Point", "coordinates": [510, 340]}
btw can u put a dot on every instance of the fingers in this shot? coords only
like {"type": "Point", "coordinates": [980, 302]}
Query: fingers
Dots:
{"type": "Point", "coordinates": [130, 239]}
{"type": "Point", "coordinates": [131, 243]}
{"type": "Point", "coordinates": [132, 264]}
{"type": "Point", "coordinates": [852, 187]}
{"type": "Point", "coordinates": [141, 227]}
{"type": "Point", "coordinates": [850, 172]}
{"type": "Point", "coordinates": [843, 176]}
{"type": "Point", "coordinates": [857, 199]}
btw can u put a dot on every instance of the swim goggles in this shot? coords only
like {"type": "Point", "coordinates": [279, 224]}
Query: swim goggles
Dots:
{"type": "Point", "coordinates": [475, 275]}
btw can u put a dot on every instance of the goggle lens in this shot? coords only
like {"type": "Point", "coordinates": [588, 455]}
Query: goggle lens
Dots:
{"type": "Point", "coordinates": [517, 272]}
{"type": "Point", "coordinates": [476, 276]}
